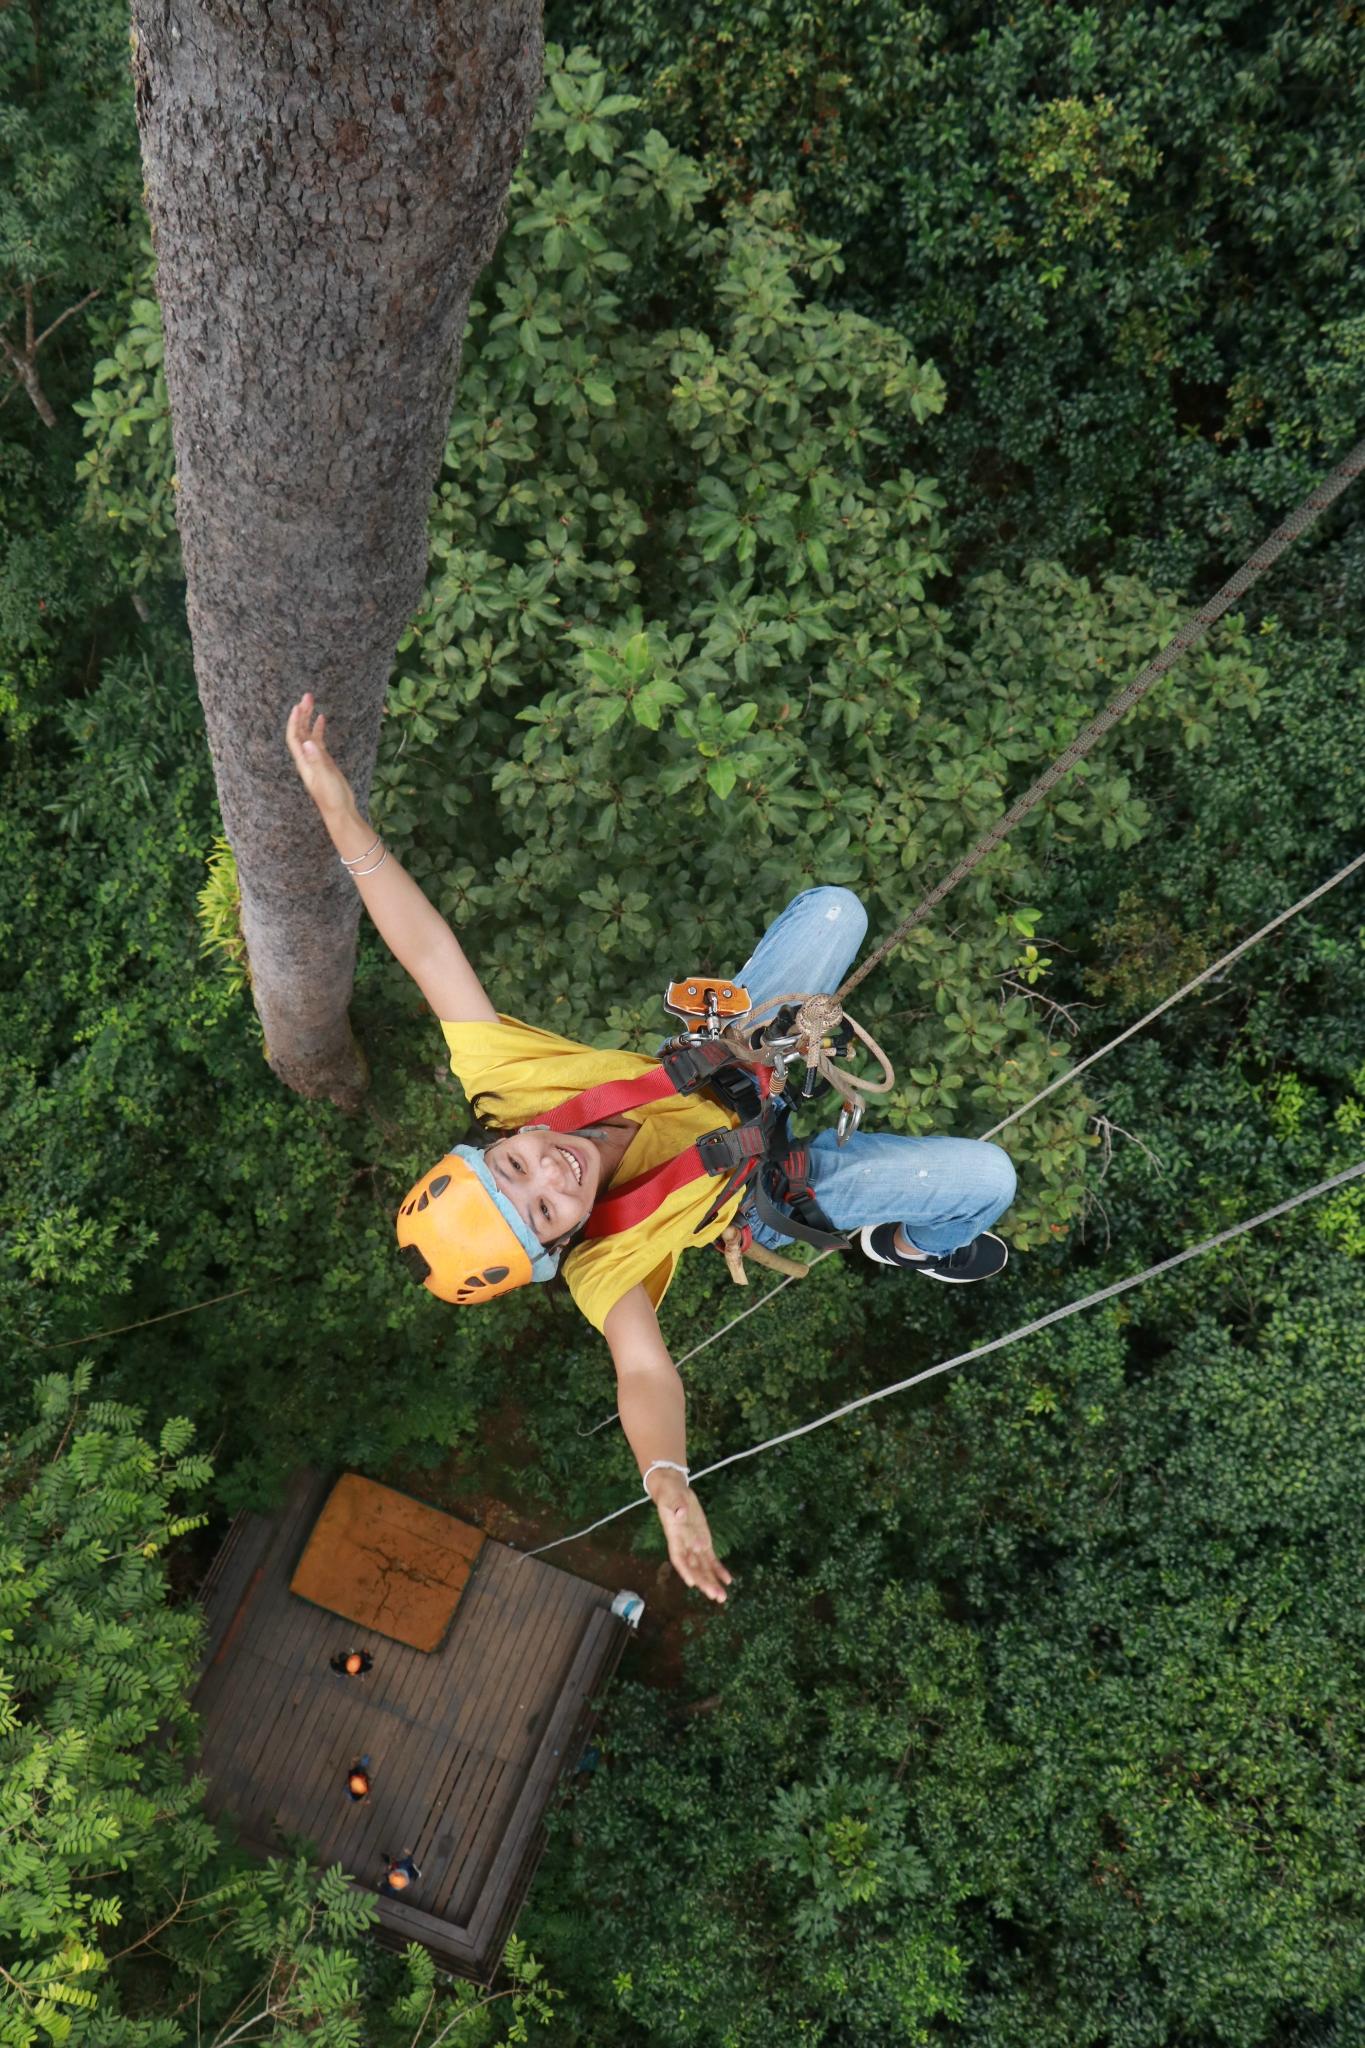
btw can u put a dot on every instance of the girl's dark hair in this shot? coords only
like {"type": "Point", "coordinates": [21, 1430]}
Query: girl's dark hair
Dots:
{"type": "Point", "coordinates": [488, 1124]}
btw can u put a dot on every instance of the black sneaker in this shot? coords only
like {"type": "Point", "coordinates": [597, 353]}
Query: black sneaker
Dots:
{"type": "Point", "coordinates": [978, 1260]}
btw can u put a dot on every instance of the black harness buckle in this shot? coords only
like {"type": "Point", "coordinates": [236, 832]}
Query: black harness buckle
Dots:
{"type": "Point", "coordinates": [721, 1151]}
{"type": "Point", "coordinates": [693, 1064]}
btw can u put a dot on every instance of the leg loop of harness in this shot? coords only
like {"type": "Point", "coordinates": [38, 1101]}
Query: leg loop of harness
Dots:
{"type": "Point", "coordinates": [783, 1199]}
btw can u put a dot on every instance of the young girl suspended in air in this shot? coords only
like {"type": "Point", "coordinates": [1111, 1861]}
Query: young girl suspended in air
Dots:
{"type": "Point", "coordinates": [616, 1198]}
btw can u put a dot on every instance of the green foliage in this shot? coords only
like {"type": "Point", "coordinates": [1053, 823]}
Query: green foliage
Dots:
{"type": "Point", "coordinates": [445, 2009]}
{"type": "Point", "coordinates": [93, 1664]}
{"type": "Point", "coordinates": [69, 173]}
{"type": "Point", "coordinates": [1084, 159]}
{"type": "Point", "coordinates": [127, 470]}
{"type": "Point", "coordinates": [220, 912]}
{"type": "Point", "coordinates": [1128, 236]}
{"type": "Point", "coordinates": [69, 225]}
{"type": "Point", "coordinates": [1145, 956]}
{"type": "Point", "coordinates": [844, 1844]}
{"type": "Point", "coordinates": [759, 560]}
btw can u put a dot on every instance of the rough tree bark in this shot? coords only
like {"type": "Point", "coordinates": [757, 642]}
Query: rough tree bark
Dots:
{"type": "Point", "coordinates": [326, 180]}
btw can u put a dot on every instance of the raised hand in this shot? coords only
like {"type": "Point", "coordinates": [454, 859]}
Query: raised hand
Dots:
{"type": "Point", "coordinates": [306, 738]}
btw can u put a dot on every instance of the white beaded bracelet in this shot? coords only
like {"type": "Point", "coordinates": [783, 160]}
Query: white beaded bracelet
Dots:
{"type": "Point", "coordinates": [664, 1465]}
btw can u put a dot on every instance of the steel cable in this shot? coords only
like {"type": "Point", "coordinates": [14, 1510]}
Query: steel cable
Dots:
{"type": "Point", "coordinates": [916, 1379]}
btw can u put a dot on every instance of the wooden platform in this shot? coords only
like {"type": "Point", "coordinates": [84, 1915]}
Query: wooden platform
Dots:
{"type": "Point", "coordinates": [466, 1744]}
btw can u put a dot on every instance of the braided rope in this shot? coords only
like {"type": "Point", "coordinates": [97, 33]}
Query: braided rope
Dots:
{"type": "Point", "coordinates": [1188, 636]}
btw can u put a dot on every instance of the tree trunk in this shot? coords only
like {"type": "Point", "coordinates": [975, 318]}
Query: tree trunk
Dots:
{"type": "Point", "coordinates": [326, 182]}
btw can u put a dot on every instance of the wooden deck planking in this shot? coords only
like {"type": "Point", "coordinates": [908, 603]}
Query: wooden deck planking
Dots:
{"type": "Point", "coordinates": [462, 1741]}
{"type": "Point", "coordinates": [254, 1540]}
{"type": "Point", "coordinates": [468, 1866]}
{"type": "Point", "coordinates": [222, 1559]}
{"type": "Point", "coordinates": [400, 1923]}
{"type": "Point", "coordinates": [439, 1750]}
{"type": "Point", "coordinates": [472, 1864]}
{"type": "Point", "coordinates": [318, 1722]}
{"type": "Point", "coordinates": [483, 1777]}
{"type": "Point", "coordinates": [515, 1879]}
{"type": "Point", "coordinates": [242, 1713]}
{"type": "Point", "coordinates": [267, 1680]}
{"type": "Point", "coordinates": [375, 1716]}
{"type": "Point", "coordinates": [514, 1716]}
{"type": "Point", "coordinates": [331, 1720]}
{"type": "Point", "coordinates": [543, 1774]}
{"type": "Point", "coordinates": [273, 1693]}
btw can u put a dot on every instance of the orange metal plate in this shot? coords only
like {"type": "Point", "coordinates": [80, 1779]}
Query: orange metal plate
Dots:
{"type": "Point", "coordinates": [387, 1563]}
{"type": "Point", "coordinates": [687, 998]}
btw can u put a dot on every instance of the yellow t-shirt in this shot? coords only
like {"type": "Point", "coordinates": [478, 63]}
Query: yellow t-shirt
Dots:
{"type": "Point", "coordinates": [530, 1071]}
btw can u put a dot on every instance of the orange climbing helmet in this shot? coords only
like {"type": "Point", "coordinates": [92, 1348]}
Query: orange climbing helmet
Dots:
{"type": "Point", "coordinates": [462, 1239]}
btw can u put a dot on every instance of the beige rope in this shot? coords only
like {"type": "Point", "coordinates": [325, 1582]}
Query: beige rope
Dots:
{"type": "Point", "coordinates": [1188, 636]}
{"type": "Point", "coordinates": [818, 1017]}
{"type": "Point", "coordinates": [1198, 982]}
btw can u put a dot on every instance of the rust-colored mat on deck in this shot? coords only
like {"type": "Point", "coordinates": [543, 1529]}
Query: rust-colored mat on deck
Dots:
{"type": "Point", "coordinates": [388, 1563]}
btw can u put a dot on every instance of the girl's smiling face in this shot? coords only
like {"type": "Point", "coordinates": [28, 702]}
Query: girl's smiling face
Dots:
{"type": "Point", "coordinates": [552, 1180]}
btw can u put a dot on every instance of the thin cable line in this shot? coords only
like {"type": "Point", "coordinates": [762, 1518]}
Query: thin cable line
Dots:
{"type": "Point", "coordinates": [1055, 1315]}
{"type": "Point", "coordinates": [122, 1330]}
{"type": "Point", "coordinates": [1198, 982]}
{"type": "Point", "coordinates": [725, 1329]}
{"type": "Point", "coordinates": [1060, 1082]}
{"type": "Point", "coordinates": [1189, 634]}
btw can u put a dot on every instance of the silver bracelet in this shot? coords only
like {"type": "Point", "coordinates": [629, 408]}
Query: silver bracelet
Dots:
{"type": "Point", "coordinates": [356, 873]}
{"type": "Point", "coordinates": [359, 857]}
{"type": "Point", "coordinates": [664, 1465]}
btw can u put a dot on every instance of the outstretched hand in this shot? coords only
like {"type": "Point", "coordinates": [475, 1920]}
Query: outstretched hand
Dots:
{"type": "Point", "coordinates": [306, 738]}
{"type": "Point", "coordinates": [690, 1550]}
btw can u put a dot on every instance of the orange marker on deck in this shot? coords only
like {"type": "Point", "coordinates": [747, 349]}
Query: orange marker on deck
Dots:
{"type": "Point", "coordinates": [399, 1873]}
{"type": "Point", "coordinates": [352, 1663]}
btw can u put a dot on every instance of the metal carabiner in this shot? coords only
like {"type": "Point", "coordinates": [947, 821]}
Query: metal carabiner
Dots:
{"type": "Point", "coordinates": [850, 1116]}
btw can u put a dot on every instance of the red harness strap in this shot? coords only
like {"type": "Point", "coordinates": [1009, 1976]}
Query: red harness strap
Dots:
{"type": "Point", "coordinates": [609, 1098]}
{"type": "Point", "coordinates": [638, 1198]}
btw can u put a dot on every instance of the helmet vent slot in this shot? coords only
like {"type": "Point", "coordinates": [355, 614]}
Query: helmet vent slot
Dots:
{"type": "Point", "coordinates": [417, 1267]}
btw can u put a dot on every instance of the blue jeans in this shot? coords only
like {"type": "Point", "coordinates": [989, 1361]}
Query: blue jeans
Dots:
{"type": "Point", "coordinates": [943, 1191]}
